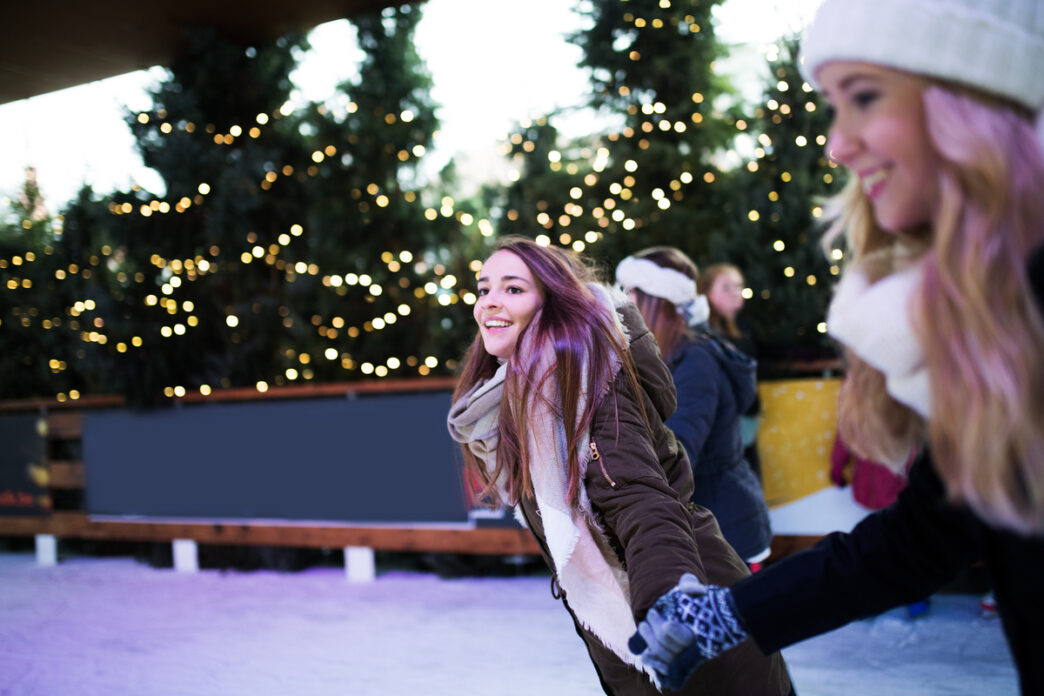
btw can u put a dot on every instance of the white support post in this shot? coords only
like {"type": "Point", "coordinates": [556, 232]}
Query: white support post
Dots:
{"type": "Point", "coordinates": [186, 557]}
{"type": "Point", "coordinates": [46, 550]}
{"type": "Point", "coordinates": [359, 564]}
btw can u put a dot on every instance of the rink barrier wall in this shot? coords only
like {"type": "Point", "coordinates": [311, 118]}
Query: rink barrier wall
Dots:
{"type": "Point", "coordinates": [67, 480]}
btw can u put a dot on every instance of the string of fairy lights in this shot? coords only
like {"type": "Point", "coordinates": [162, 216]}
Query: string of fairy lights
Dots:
{"type": "Point", "coordinates": [613, 208]}
{"type": "Point", "coordinates": [423, 280]}
{"type": "Point", "coordinates": [177, 274]}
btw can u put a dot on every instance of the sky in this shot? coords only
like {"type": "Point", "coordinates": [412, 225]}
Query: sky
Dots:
{"type": "Point", "coordinates": [485, 82]}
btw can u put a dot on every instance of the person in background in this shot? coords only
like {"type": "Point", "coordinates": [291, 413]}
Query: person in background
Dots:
{"type": "Point", "coordinates": [560, 410]}
{"type": "Point", "coordinates": [722, 284]}
{"type": "Point", "coordinates": [937, 114]}
{"type": "Point", "coordinates": [715, 384]}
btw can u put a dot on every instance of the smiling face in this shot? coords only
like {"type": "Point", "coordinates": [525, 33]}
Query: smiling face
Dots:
{"type": "Point", "coordinates": [726, 293]}
{"type": "Point", "coordinates": [878, 132]}
{"type": "Point", "coordinates": [508, 296]}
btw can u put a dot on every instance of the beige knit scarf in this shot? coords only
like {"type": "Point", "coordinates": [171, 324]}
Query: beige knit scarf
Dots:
{"type": "Point", "coordinates": [589, 573]}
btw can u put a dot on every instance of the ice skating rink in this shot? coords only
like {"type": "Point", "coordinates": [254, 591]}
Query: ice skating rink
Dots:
{"type": "Point", "coordinates": [103, 626]}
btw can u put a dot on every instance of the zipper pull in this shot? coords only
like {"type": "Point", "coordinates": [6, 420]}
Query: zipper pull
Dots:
{"type": "Point", "coordinates": [595, 456]}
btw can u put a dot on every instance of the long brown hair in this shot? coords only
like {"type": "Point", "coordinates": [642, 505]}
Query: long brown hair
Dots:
{"type": "Point", "coordinates": [726, 326]}
{"type": "Point", "coordinates": [975, 314]}
{"type": "Point", "coordinates": [661, 316]}
{"type": "Point", "coordinates": [580, 330]}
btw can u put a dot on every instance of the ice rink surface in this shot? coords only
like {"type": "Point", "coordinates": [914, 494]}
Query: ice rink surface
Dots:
{"type": "Point", "coordinates": [103, 626]}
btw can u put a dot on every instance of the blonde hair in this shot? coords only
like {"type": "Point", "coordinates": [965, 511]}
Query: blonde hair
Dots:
{"type": "Point", "coordinates": [975, 315]}
{"type": "Point", "coordinates": [719, 322]}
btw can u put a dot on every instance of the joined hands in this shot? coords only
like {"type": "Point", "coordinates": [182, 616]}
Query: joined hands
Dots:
{"type": "Point", "coordinates": [687, 626]}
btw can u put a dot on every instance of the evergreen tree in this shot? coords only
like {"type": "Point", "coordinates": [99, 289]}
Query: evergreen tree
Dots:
{"type": "Point", "coordinates": [190, 289]}
{"type": "Point", "coordinates": [372, 223]}
{"type": "Point", "coordinates": [774, 229]}
{"type": "Point", "coordinates": [662, 178]}
{"type": "Point", "coordinates": [290, 245]}
{"type": "Point", "coordinates": [654, 179]}
{"type": "Point", "coordinates": [41, 297]}
{"type": "Point", "coordinates": [296, 244]}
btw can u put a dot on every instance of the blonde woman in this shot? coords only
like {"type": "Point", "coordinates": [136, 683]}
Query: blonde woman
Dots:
{"type": "Point", "coordinates": [941, 311]}
{"type": "Point", "coordinates": [722, 284]}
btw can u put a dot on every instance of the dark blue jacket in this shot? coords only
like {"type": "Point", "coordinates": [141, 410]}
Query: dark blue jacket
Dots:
{"type": "Point", "coordinates": [715, 384]}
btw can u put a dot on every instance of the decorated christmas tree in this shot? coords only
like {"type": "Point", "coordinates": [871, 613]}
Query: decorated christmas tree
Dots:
{"type": "Point", "coordinates": [188, 288]}
{"type": "Point", "coordinates": [296, 243]}
{"type": "Point", "coordinates": [41, 298]}
{"type": "Point", "coordinates": [689, 167]}
{"type": "Point", "coordinates": [774, 227]}
{"type": "Point", "coordinates": [653, 177]}
{"type": "Point", "coordinates": [290, 244]}
{"type": "Point", "coordinates": [388, 247]}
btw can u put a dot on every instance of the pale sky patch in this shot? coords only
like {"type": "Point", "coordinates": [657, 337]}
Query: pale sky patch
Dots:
{"type": "Point", "coordinates": [493, 64]}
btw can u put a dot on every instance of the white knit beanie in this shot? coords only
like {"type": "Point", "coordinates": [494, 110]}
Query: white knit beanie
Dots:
{"type": "Point", "coordinates": [996, 46]}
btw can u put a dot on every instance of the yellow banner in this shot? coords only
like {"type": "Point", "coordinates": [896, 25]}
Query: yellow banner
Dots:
{"type": "Point", "coordinates": [799, 421]}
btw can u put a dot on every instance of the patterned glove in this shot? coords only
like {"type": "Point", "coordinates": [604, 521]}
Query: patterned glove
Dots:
{"type": "Point", "coordinates": [687, 626]}
{"type": "Point", "coordinates": [660, 640]}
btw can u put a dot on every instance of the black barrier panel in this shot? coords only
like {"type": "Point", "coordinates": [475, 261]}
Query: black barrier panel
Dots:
{"type": "Point", "coordinates": [23, 472]}
{"type": "Point", "coordinates": [385, 458]}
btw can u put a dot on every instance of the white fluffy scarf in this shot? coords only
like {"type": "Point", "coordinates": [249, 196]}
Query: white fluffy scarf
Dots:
{"type": "Point", "coordinates": [595, 584]}
{"type": "Point", "coordinates": [873, 320]}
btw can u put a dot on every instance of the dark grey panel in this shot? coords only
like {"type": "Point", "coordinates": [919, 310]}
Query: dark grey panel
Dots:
{"type": "Point", "coordinates": [373, 459]}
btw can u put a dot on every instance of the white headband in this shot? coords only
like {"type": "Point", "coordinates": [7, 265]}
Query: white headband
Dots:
{"type": "Point", "coordinates": [665, 283]}
{"type": "Point", "coordinates": [653, 279]}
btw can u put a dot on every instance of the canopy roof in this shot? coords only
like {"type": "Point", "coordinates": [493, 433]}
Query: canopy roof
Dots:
{"type": "Point", "coordinates": [47, 45]}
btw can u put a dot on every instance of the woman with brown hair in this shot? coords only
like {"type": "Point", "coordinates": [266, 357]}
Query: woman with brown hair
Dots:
{"type": "Point", "coordinates": [559, 410]}
{"type": "Point", "coordinates": [715, 384]}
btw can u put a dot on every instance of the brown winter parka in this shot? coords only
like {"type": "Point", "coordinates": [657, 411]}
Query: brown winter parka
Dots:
{"type": "Point", "coordinates": [639, 480]}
